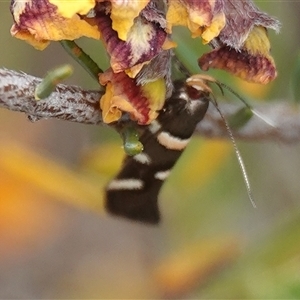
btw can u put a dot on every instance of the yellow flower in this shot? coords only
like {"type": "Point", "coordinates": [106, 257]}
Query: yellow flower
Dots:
{"type": "Point", "coordinates": [136, 35]}
{"type": "Point", "coordinates": [123, 14]}
{"type": "Point", "coordinates": [41, 21]}
{"type": "Point", "coordinates": [123, 94]}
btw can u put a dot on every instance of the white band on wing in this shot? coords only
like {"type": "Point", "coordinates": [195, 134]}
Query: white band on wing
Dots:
{"type": "Point", "coordinates": [172, 142]}
{"type": "Point", "coordinates": [125, 184]}
{"type": "Point", "coordinates": [162, 175]}
{"type": "Point", "coordinates": [142, 158]}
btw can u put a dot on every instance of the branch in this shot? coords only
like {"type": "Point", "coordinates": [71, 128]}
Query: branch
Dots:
{"type": "Point", "coordinates": [72, 103]}
{"type": "Point", "coordinates": [284, 116]}
{"type": "Point", "coordinates": [69, 103]}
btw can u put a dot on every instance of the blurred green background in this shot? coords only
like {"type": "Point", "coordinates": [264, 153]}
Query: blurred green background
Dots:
{"type": "Point", "coordinates": [56, 241]}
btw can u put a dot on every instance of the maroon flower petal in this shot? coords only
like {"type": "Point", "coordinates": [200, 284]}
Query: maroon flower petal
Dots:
{"type": "Point", "coordinates": [254, 68]}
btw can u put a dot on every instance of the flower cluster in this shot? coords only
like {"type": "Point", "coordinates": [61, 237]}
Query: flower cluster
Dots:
{"type": "Point", "coordinates": [137, 37]}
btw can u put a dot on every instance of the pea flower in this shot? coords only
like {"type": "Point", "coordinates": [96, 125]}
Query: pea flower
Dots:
{"type": "Point", "coordinates": [137, 36]}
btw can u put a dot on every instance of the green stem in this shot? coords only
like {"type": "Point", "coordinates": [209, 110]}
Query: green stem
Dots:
{"type": "Point", "coordinates": [53, 77]}
{"type": "Point", "coordinates": [131, 143]}
{"type": "Point", "coordinates": [82, 58]}
{"type": "Point", "coordinates": [240, 118]}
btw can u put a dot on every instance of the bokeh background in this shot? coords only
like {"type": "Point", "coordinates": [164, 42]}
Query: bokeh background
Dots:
{"type": "Point", "coordinates": [57, 242]}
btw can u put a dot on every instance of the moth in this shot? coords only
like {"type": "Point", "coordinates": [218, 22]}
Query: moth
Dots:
{"type": "Point", "coordinates": [133, 193]}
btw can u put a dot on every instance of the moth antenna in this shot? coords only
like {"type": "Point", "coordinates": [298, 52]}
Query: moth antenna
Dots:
{"type": "Point", "coordinates": [256, 113]}
{"type": "Point", "coordinates": [199, 82]}
{"type": "Point", "coordinates": [221, 86]}
{"type": "Point", "coordinates": [237, 153]}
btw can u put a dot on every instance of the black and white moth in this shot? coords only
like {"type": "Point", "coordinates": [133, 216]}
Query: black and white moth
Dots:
{"type": "Point", "coordinates": [134, 191]}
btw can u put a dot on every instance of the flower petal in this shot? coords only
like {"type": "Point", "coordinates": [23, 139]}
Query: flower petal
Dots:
{"type": "Point", "coordinates": [213, 30]}
{"type": "Point", "coordinates": [69, 8]}
{"type": "Point", "coordinates": [144, 41]}
{"type": "Point", "coordinates": [252, 63]}
{"type": "Point", "coordinates": [242, 47]}
{"type": "Point", "coordinates": [123, 13]}
{"type": "Point", "coordinates": [124, 95]}
{"type": "Point", "coordinates": [159, 67]}
{"type": "Point", "coordinates": [200, 17]}
{"type": "Point", "coordinates": [39, 21]}
{"type": "Point", "coordinates": [241, 17]}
